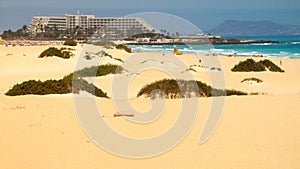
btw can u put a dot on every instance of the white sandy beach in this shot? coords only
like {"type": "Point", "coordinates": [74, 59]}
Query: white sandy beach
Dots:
{"type": "Point", "coordinates": [256, 131]}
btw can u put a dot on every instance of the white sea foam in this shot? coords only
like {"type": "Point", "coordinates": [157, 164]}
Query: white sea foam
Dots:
{"type": "Point", "coordinates": [169, 49]}
{"type": "Point", "coordinates": [262, 44]}
{"type": "Point", "coordinates": [217, 50]}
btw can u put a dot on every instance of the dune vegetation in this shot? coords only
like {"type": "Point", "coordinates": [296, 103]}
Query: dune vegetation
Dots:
{"type": "Point", "coordinates": [123, 47]}
{"type": "Point", "coordinates": [52, 51]}
{"type": "Point", "coordinates": [271, 66]}
{"type": "Point", "coordinates": [101, 70]}
{"type": "Point", "coordinates": [170, 88]}
{"type": "Point", "coordinates": [252, 79]}
{"type": "Point", "coordinates": [62, 86]}
{"type": "Point", "coordinates": [251, 66]}
{"type": "Point", "coordinates": [68, 84]}
{"type": "Point", "coordinates": [70, 42]}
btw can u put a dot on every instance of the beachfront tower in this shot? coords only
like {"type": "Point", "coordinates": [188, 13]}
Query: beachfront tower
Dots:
{"type": "Point", "coordinates": [111, 27]}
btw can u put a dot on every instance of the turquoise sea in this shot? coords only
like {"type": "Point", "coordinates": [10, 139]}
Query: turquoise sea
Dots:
{"type": "Point", "coordinates": [289, 47]}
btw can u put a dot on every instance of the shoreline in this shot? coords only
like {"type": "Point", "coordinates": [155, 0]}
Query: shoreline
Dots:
{"type": "Point", "coordinates": [242, 42]}
{"type": "Point", "coordinates": [217, 54]}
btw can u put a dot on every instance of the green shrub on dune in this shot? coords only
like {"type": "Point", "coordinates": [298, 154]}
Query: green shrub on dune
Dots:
{"type": "Point", "coordinates": [82, 85]}
{"type": "Point", "coordinates": [70, 42]}
{"type": "Point", "coordinates": [39, 88]}
{"type": "Point", "coordinates": [70, 83]}
{"type": "Point", "coordinates": [252, 79]}
{"type": "Point", "coordinates": [101, 70]}
{"type": "Point", "coordinates": [248, 66]}
{"type": "Point", "coordinates": [271, 66]}
{"type": "Point", "coordinates": [251, 66]}
{"type": "Point", "coordinates": [231, 92]}
{"type": "Point", "coordinates": [62, 86]}
{"type": "Point", "coordinates": [52, 51]}
{"type": "Point", "coordinates": [123, 47]}
{"type": "Point", "coordinates": [170, 88]}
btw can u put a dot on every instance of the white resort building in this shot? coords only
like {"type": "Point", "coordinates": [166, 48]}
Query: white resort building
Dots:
{"type": "Point", "coordinates": [114, 27]}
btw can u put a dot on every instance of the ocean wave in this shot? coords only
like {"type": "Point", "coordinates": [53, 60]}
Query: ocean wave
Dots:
{"type": "Point", "coordinates": [226, 52]}
{"type": "Point", "coordinates": [157, 46]}
{"type": "Point", "coordinates": [261, 44]}
{"type": "Point", "coordinates": [217, 50]}
{"type": "Point", "coordinates": [283, 52]}
{"type": "Point", "coordinates": [295, 43]}
{"type": "Point", "coordinates": [149, 49]}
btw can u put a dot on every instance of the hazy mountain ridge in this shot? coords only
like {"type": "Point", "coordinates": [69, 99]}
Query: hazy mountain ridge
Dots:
{"type": "Point", "coordinates": [254, 28]}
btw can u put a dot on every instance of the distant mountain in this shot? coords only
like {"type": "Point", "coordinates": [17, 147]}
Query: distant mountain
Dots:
{"type": "Point", "coordinates": [254, 28]}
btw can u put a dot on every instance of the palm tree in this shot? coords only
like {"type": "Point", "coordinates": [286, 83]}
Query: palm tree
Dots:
{"type": "Point", "coordinates": [25, 31]}
{"type": "Point", "coordinates": [162, 31]}
{"type": "Point", "coordinates": [24, 28]}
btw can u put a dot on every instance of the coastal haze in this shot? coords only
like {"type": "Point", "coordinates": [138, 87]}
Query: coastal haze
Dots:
{"type": "Point", "coordinates": [255, 28]}
{"type": "Point", "coordinates": [126, 95]}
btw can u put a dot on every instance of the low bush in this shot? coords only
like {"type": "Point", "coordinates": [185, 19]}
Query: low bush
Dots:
{"type": "Point", "coordinates": [62, 86]}
{"type": "Point", "coordinates": [82, 85]}
{"type": "Point", "coordinates": [170, 88]}
{"type": "Point", "coordinates": [231, 92]}
{"type": "Point", "coordinates": [101, 70]}
{"type": "Point", "coordinates": [258, 93]}
{"type": "Point", "coordinates": [69, 49]}
{"type": "Point", "coordinates": [271, 66]}
{"type": "Point", "coordinates": [251, 66]}
{"type": "Point", "coordinates": [123, 47]}
{"type": "Point", "coordinates": [39, 88]}
{"type": "Point", "coordinates": [68, 84]}
{"type": "Point", "coordinates": [248, 66]}
{"type": "Point", "coordinates": [252, 79]}
{"type": "Point", "coordinates": [70, 42]}
{"type": "Point", "coordinates": [52, 51]}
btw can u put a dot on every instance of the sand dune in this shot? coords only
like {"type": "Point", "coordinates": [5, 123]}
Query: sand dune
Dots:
{"type": "Point", "coordinates": [43, 131]}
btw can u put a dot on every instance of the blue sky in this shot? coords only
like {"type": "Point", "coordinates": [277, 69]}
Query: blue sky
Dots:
{"type": "Point", "coordinates": [205, 14]}
{"type": "Point", "coordinates": [201, 4]}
